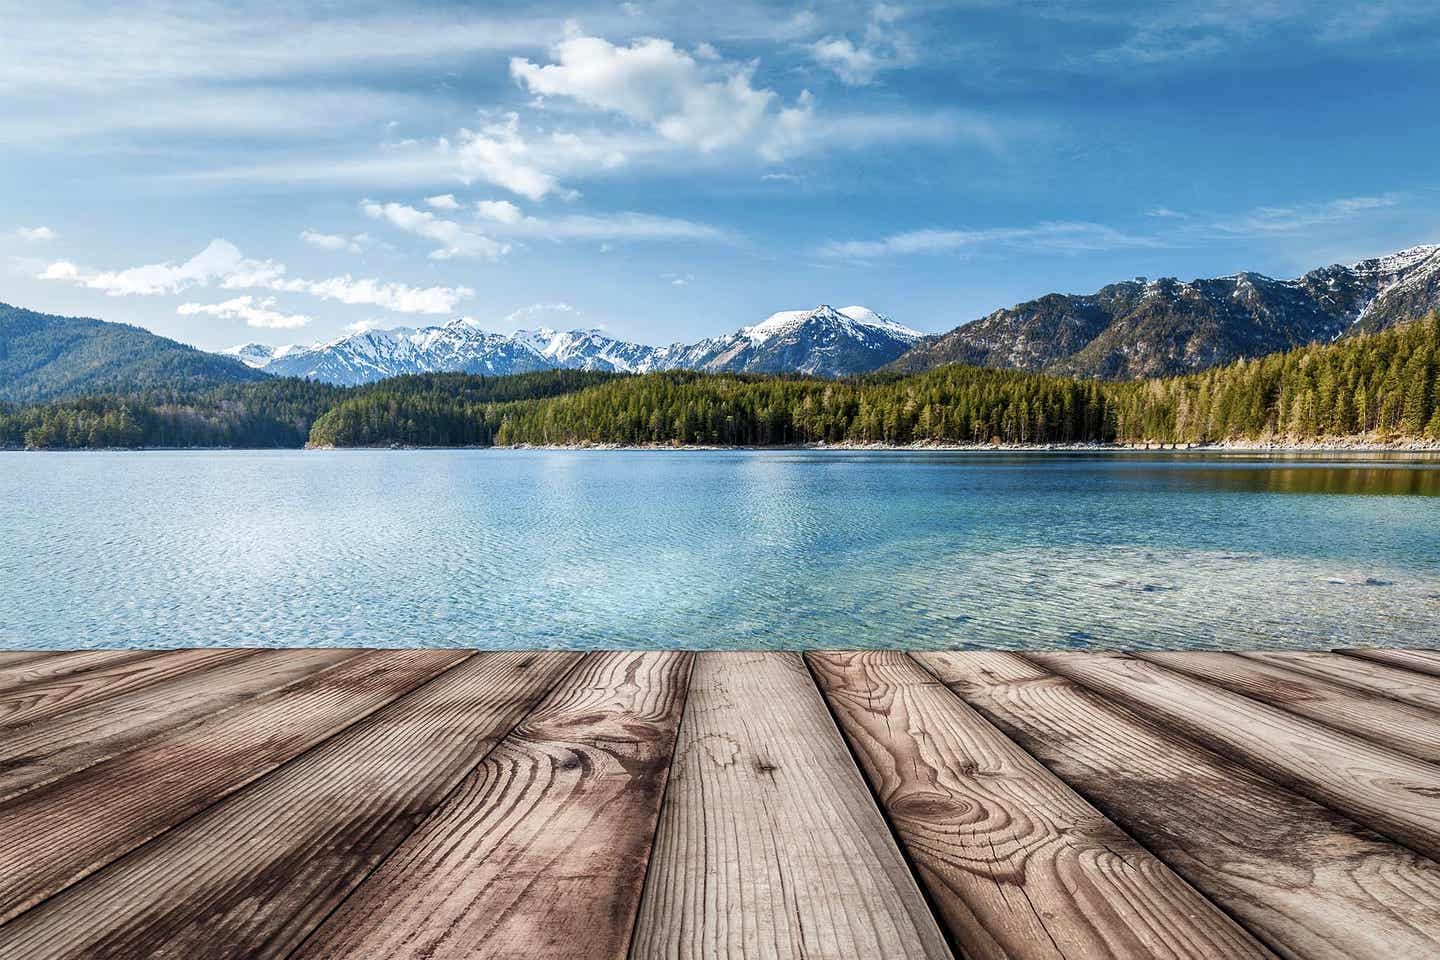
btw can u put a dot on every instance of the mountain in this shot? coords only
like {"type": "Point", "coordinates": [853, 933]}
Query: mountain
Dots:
{"type": "Point", "coordinates": [45, 357]}
{"type": "Point", "coordinates": [1148, 328]}
{"type": "Point", "coordinates": [823, 341]}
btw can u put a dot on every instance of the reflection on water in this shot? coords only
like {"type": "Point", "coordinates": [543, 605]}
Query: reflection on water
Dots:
{"type": "Point", "coordinates": [718, 549]}
{"type": "Point", "coordinates": [1389, 480]}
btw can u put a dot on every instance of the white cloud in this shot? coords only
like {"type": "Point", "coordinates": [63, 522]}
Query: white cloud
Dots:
{"type": "Point", "coordinates": [617, 226]}
{"type": "Point", "coordinates": [1270, 220]}
{"type": "Point", "coordinates": [397, 297]}
{"type": "Point", "coordinates": [59, 270]}
{"type": "Point", "coordinates": [455, 240]}
{"type": "Point", "coordinates": [255, 313]}
{"type": "Point", "coordinates": [707, 104]}
{"type": "Point", "coordinates": [1165, 213]}
{"type": "Point", "coordinates": [883, 47]}
{"type": "Point", "coordinates": [555, 315]}
{"type": "Point", "coordinates": [445, 201]}
{"type": "Point", "coordinates": [335, 242]}
{"type": "Point", "coordinates": [679, 279]}
{"type": "Point", "coordinates": [365, 326]}
{"type": "Point", "coordinates": [498, 154]}
{"type": "Point", "coordinates": [504, 219]}
{"type": "Point", "coordinates": [221, 262]}
{"type": "Point", "coordinates": [37, 234]}
{"type": "Point", "coordinates": [1060, 237]}
{"type": "Point", "coordinates": [500, 211]}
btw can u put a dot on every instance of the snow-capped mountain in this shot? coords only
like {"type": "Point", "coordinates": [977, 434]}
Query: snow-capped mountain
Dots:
{"type": "Point", "coordinates": [258, 355]}
{"type": "Point", "coordinates": [823, 341]}
{"type": "Point", "coordinates": [1143, 328]}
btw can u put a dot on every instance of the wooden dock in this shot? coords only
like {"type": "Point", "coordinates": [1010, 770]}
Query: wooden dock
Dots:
{"type": "Point", "coordinates": [446, 803]}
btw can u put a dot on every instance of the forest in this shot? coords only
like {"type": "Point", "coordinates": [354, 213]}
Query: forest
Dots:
{"type": "Point", "coordinates": [1379, 386]}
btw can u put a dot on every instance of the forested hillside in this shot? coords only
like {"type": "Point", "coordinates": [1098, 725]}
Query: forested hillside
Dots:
{"type": "Point", "coordinates": [45, 357]}
{"type": "Point", "coordinates": [1378, 387]}
{"type": "Point", "coordinates": [271, 413]}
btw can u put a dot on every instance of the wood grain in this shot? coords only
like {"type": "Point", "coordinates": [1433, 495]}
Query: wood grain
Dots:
{"type": "Point", "coordinates": [39, 700]}
{"type": "Point", "coordinates": [1017, 863]}
{"type": "Point", "coordinates": [13, 658]}
{"type": "Point", "coordinates": [55, 836]}
{"type": "Point", "coordinates": [62, 745]}
{"type": "Point", "coordinates": [1407, 728]}
{"type": "Point", "coordinates": [1306, 880]}
{"type": "Point", "coordinates": [542, 851]}
{"type": "Point", "coordinates": [1394, 683]}
{"type": "Point", "coordinates": [33, 668]}
{"type": "Point", "coordinates": [1382, 788]}
{"type": "Point", "coordinates": [739, 868]}
{"type": "Point", "coordinates": [1421, 661]}
{"type": "Point", "coordinates": [323, 821]}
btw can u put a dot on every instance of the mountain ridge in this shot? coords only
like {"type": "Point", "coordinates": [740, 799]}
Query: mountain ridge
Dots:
{"type": "Point", "coordinates": [1146, 328]}
{"type": "Point", "coordinates": [45, 357]}
{"type": "Point", "coordinates": [823, 341]}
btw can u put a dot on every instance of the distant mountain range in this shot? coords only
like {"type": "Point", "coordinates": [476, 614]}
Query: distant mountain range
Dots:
{"type": "Point", "coordinates": [1136, 328]}
{"type": "Point", "coordinates": [824, 342]}
{"type": "Point", "coordinates": [43, 357]}
{"type": "Point", "coordinates": [1147, 328]}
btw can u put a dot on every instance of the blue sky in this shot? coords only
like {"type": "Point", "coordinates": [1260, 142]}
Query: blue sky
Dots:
{"type": "Point", "coordinates": [267, 172]}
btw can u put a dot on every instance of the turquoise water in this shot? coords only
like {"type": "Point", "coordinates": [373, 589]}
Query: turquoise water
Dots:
{"type": "Point", "coordinates": [716, 549]}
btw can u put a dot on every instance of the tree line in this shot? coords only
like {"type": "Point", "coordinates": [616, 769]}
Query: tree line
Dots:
{"type": "Point", "coordinates": [1380, 386]}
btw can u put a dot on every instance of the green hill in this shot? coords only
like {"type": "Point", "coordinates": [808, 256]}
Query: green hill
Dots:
{"type": "Point", "coordinates": [45, 357]}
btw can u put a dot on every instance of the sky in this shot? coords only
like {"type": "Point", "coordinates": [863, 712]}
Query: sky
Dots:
{"type": "Point", "coordinates": [285, 173]}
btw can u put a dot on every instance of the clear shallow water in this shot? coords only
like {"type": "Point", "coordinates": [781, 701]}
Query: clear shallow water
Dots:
{"type": "Point", "coordinates": [716, 549]}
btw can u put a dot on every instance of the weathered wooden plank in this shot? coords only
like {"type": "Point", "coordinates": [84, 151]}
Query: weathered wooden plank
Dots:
{"type": "Point", "coordinates": [13, 658]}
{"type": "Point", "coordinates": [1381, 788]}
{"type": "Point", "coordinates": [1307, 881]}
{"type": "Point", "coordinates": [36, 669]}
{"type": "Point", "coordinates": [56, 835]}
{"type": "Point", "coordinates": [1017, 863]}
{"type": "Point", "coordinates": [1379, 719]}
{"type": "Point", "coordinates": [41, 700]}
{"type": "Point", "coordinates": [1395, 683]}
{"type": "Point", "coordinates": [541, 852]}
{"type": "Point", "coordinates": [62, 745]}
{"type": "Point", "coordinates": [253, 875]}
{"type": "Point", "coordinates": [770, 844]}
{"type": "Point", "coordinates": [1421, 661]}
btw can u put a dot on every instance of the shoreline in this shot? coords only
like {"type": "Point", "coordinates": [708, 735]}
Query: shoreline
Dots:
{"type": "Point", "coordinates": [1324, 445]}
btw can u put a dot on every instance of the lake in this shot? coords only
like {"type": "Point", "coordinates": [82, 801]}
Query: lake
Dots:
{"type": "Point", "coordinates": [723, 549]}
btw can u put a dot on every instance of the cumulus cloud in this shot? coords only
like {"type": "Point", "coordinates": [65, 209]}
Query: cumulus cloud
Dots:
{"type": "Point", "coordinates": [255, 313]}
{"type": "Point", "coordinates": [445, 201]}
{"type": "Point", "coordinates": [706, 103]}
{"type": "Point", "coordinates": [220, 260]}
{"type": "Point", "coordinates": [455, 239]}
{"type": "Point", "coordinates": [40, 234]}
{"type": "Point", "coordinates": [500, 211]}
{"type": "Point", "coordinates": [498, 154]}
{"type": "Point", "coordinates": [222, 263]}
{"type": "Point", "coordinates": [1055, 237]}
{"type": "Point", "coordinates": [59, 270]}
{"type": "Point", "coordinates": [882, 47]}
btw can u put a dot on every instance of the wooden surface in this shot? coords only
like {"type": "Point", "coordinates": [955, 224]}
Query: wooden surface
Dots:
{"type": "Point", "coordinates": [439, 804]}
{"type": "Point", "coordinates": [1018, 864]}
{"type": "Point", "coordinates": [738, 870]}
{"type": "Point", "coordinates": [1306, 880]}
